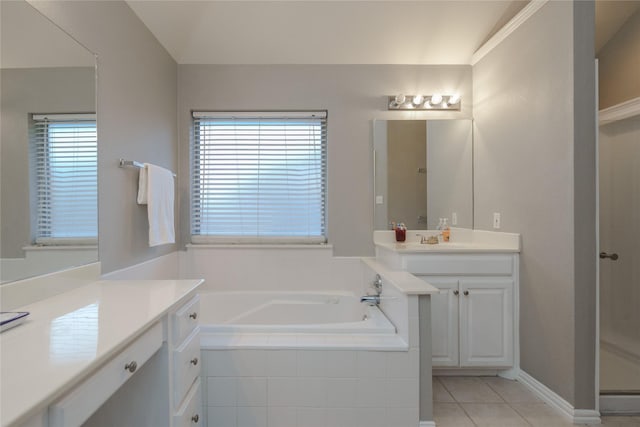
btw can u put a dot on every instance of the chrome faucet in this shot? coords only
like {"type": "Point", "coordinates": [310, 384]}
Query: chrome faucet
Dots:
{"type": "Point", "coordinates": [377, 284]}
{"type": "Point", "coordinates": [374, 299]}
{"type": "Point", "coordinates": [371, 299]}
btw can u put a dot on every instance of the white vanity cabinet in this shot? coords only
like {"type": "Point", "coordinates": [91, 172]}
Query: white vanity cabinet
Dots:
{"type": "Point", "coordinates": [187, 404]}
{"type": "Point", "coordinates": [474, 317]}
{"type": "Point", "coordinates": [472, 322]}
{"type": "Point", "coordinates": [111, 353]}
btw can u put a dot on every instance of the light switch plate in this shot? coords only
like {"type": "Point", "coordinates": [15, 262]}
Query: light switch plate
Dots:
{"type": "Point", "coordinates": [496, 220]}
{"type": "Point", "coordinates": [379, 200]}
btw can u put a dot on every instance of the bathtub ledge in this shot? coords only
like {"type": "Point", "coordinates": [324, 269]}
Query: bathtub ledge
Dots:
{"type": "Point", "coordinates": [376, 342]}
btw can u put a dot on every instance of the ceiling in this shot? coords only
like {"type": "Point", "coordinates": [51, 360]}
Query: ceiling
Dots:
{"type": "Point", "coordinates": [324, 32]}
{"type": "Point", "coordinates": [340, 31]}
{"type": "Point", "coordinates": [29, 40]}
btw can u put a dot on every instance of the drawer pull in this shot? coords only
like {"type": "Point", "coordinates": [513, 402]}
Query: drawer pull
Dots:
{"type": "Point", "coordinates": [131, 366]}
{"type": "Point", "coordinates": [194, 361]}
{"type": "Point", "coordinates": [195, 418]}
{"type": "Point", "coordinates": [194, 315]}
{"type": "Point", "coordinates": [456, 292]}
{"type": "Point", "coordinates": [466, 293]}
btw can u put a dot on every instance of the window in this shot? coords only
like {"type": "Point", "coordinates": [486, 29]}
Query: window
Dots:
{"type": "Point", "coordinates": [65, 160]}
{"type": "Point", "coordinates": [259, 177]}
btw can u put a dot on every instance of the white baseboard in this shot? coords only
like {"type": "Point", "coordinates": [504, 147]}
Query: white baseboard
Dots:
{"type": "Point", "coordinates": [620, 404]}
{"type": "Point", "coordinates": [577, 416]}
{"type": "Point", "coordinates": [427, 424]}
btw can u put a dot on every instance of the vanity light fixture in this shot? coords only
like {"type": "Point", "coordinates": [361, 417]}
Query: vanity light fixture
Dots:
{"type": "Point", "coordinates": [424, 102]}
{"type": "Point", "coordinates": [435, 100]}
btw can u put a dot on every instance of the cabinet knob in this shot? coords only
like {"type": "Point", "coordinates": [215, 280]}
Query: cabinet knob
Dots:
{"type": "Point", "coordinates": [466, 293]}
{"type": "Point", "coordinates": [456, 292]}
{"type": "Point", "coordinates": [195, 418]}
{"type": "Point", "coordinates": [194, 315]}
{"type": "Point", "coordinates": [194, 361]}
{"type": "Point", "coordinates": [131, 366]}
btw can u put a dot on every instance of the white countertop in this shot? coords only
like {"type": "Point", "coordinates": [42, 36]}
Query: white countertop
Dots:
{"type": "Point", "coordinates": [462, 241]}
{"type": "Point", "coordinates": [70, 335]}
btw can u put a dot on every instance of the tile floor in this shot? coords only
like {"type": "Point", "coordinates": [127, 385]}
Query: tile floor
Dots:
{"type": "Point", "coordinates": [494, 402]}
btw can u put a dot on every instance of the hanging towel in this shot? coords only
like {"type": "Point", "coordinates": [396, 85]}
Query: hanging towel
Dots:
{"type": "Point", "coordinates": [156, 190]}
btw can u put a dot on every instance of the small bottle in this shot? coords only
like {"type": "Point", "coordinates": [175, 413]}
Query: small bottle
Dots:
{"type": "Point", "coordinates": [440, 228]}
{"type": "Point", "coordinates": [446, 231]}
{"type": "Point", "coordinates": [401, 232]}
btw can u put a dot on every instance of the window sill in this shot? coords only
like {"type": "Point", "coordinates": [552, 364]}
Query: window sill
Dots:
{"type": "Point", "coordinates": [269, 246]}
{"type": "Point", "coordinates": [36, 248]}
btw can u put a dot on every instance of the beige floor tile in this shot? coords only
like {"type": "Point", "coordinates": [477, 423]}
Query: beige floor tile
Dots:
{"type": "Point", "coordinates": [511, 391]}
{"type": "Point", "coordinates": [450, 415]}
{"type": "Point", "coordinates": [440, 394]}
{"type": "Point", "coordinates": [493, 415]}
{"type": "Point", "coordinates": [541, 415]}
{"type": "Point", "coordinates": [620, 421]}
{"type": "Point", "coordinates": [470, 390]}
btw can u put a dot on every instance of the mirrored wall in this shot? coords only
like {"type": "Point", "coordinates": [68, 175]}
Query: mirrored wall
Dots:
{"type": "Point", "coordinates": [48, 147]}
{"type": "Point", "coordinates": [423, 172]}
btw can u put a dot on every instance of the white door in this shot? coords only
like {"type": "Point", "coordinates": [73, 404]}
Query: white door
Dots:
{"type": "Point", "coordinates": [444, 321]}
{"type": "Point", "coordinates": [619, 172]}
{"type": "Point", "coordinates": [486, 322]}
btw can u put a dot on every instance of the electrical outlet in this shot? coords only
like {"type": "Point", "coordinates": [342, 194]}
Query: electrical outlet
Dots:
{"type": "Point", "coordinates": [496, 220]}
{"type": "Point", "coordinates": [379, 200]}
{"type": "Point", "coordinates": [454, 218]}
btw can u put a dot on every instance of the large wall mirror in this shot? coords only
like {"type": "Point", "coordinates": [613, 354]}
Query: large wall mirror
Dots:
{"type": "Point", "coordinates": [423, 172]}
{"type": "Point", "coordinates": [48, 147]}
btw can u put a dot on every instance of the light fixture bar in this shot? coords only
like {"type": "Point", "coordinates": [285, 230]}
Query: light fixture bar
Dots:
{"type": "Point", "coordinates": [435, 102]}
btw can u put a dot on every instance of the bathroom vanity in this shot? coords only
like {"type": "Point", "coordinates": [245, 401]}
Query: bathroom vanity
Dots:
{"type": "Point", "coordinates": [475, 314]}
{"type": "Point", "coordinates": [78, 348]}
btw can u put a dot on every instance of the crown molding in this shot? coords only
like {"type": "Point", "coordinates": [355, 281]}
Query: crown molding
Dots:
{"type": "Point", "coordinates": [527, 12]}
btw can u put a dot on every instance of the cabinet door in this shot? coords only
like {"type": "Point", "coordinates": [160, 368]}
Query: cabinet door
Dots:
{"type": "Point", "coordinates": [486, 322]}
{"type": "Point", "coordinates": [444, 321]}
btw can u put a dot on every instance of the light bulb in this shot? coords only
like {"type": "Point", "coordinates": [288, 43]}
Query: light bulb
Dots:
{"type": "Point", "coordinates": [400, 98]}
{"type": "Point", "coordinates": [453, 99]}
{"type": "Point", "coordinates": [418, 99]}
{"type": "Point", "coordinates": [436, 99]}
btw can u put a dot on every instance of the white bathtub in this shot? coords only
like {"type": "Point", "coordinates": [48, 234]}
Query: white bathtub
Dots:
{"type": "Point", "coordinates": [290, 313]}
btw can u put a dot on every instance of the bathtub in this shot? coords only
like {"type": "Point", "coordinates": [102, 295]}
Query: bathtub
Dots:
{"type": "Point", "coordinates": [290, 313]}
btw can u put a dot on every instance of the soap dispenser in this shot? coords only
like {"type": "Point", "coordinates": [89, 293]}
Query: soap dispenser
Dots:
{"type": "Point", "coordinates": [446, 231]}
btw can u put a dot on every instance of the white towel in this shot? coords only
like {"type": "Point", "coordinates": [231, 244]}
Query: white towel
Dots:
{"type": "Point", "coordinates": [156, 190]}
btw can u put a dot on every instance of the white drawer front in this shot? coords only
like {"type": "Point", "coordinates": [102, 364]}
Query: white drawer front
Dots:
{"type": "Point", "coordinates": [185, 320]}
{"type": "Point", "coordinates": [186, 366]}
{"type": "Point", "coordinates": [459, 264]}
{"type": "Point", "coordinates": [190, 412]}
{"type": "Point", "coordinates": [74, 408]}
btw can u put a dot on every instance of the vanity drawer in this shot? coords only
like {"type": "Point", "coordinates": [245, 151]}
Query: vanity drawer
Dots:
{"type": "Point", "coordinates": [190, 412]}
{"type": "Point", "coordinates": [77, 406]}
{"type": "Point", "coordinates": [459, 264]}
{"type": "Point", "coordinates": [185, 320]}
{"type": "Point", "coordinates": [186, 366]}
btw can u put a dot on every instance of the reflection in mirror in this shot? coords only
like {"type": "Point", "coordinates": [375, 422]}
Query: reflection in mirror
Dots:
{"type": "Point", "coordinates": [48, 147]}
{"type": "Point", "coordinates": [423, 172]}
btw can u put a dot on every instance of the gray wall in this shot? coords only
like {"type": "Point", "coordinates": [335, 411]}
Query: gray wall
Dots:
{"type": "Point", "coordinates": [534, 148]}
{"type": "Point", "coordinates": [137, 98]}
{"type": "Point", "coordinates": [25, 91]}
{"type": "Point", "coordinates": [619, 65]}
{"type": "Point", "coordinates": [353, 95]}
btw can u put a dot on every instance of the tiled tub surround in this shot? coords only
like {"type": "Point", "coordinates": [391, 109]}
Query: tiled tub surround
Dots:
{"type": "Point", "coordinates": [321, 378]}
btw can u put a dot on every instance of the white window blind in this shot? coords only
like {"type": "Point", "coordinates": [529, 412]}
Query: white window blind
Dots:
{"type": "Point", "coordinates": [259, 177]}
{"type": "Point", "coordinates": [66, 169]}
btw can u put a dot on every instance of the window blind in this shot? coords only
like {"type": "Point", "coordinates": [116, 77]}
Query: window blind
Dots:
{"type": "Point", "coordinates": [64, 149]}
{"type": "Point", "coordinates": [259, 177]}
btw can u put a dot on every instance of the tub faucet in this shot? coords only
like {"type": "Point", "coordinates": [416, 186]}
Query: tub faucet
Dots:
{"type": "Point", "coordinates": [371, 299]}
{"type": "Point", "coordinates": [377, 284]}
